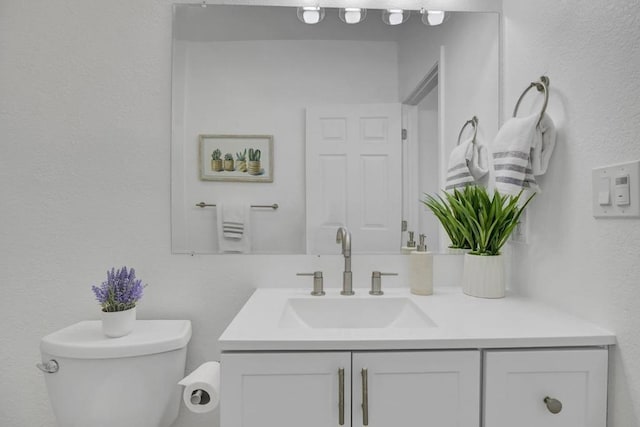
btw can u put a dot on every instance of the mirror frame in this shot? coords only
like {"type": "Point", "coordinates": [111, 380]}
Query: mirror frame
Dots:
{"type": "Point", "coordinates": [481, 6]}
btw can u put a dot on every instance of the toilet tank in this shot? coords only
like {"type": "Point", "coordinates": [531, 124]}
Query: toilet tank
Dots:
{"type": "Point", "coordinates": [131, 381]}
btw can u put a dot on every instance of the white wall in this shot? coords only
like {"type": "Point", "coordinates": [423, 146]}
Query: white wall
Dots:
{"type": "Point", "coordinates": [591, 52]}
{"type": "Point", "coordinates": [84, 182]}
{"type": "Point", "coordinates": [263, 87]}
{"type": "Point", "coordinates": [85, 114]}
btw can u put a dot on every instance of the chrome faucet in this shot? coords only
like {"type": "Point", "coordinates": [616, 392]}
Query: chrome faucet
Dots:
{"type": "Point", "coordinates": [344, 237]}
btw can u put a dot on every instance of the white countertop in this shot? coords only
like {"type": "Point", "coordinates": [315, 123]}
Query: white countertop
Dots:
{"type": "Point", "coordinates": [461, 322]}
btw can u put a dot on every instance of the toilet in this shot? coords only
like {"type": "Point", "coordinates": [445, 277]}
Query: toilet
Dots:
{"type": "Point", "coordinates": [131, 381]}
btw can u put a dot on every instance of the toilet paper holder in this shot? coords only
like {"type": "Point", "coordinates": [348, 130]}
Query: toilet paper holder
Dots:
{"type": "Point", "coordinates": [200, 397]}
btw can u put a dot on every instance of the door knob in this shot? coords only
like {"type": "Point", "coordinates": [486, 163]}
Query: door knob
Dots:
{"type": "Point", "coordinates": [553, 405]}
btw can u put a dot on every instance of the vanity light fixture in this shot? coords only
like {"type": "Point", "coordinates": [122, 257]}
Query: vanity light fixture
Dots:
{"type": "Point", "coordinates": [433, 17]}
{"type": "Point", "coordinates": [352, 15]}
{"type": "Point", "coordinates": [395, 16]}
{"type": "Point", "coordinates": [310, 14]}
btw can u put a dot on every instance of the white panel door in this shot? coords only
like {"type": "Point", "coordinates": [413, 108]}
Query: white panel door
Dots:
{"type": "Point", "coordinates": [517, 382]}
{"type": "Point", "coordinates": [284, 390]}
{"type": "Point", "coordinates": [417, 389]}
{"type": "Point", "coordinates": [354, 176]}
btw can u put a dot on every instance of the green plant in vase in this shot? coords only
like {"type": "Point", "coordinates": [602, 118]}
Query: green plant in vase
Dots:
{"type": "Point", "coordinates": [216, 161]}
{"type": "Point", "coordinates": [228, 162]}
{"type": "Point", "coordinates": [450, 217]}
{"type": "Point", "coordinates": [488, 221]}
{"type": "Point", "coordinates": [254, 166]}
{"type": "Point", "coordinates": [241, 161]}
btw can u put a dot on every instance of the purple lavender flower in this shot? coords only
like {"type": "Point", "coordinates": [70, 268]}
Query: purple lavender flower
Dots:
{"type": "Point", "coordinates": [120, 292]}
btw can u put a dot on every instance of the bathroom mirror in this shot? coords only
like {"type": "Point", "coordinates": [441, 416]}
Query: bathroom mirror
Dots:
{"type": "Point", "coordinates": [245, 75]}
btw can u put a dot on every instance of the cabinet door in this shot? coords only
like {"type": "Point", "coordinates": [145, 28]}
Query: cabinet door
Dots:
{"type": "Point", "coordinates": [517, 383]}
{"type": "Point", "coordinates": [285, 390]}
{"type": "Point", "coordinates": [414, 389]}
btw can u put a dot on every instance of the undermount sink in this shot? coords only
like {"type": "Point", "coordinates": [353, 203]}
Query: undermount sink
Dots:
{"type": "Point", "coordinates": [353, 313]}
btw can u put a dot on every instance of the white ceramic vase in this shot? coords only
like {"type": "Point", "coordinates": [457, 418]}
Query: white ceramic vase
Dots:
{"type": "Point", "coordinates": [483, 276]}
{"type": "Point", "coordinates": [118, 323]}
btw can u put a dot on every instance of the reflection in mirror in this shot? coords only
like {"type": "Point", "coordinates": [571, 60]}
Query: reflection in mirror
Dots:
{"type": "Point", "coordinates": [243, 71]}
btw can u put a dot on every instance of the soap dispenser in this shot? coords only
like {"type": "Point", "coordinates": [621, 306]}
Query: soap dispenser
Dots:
{"type": "Point", "coordinates": [421, 269]}
{"type": "Point", "coordinates": [410, 247]}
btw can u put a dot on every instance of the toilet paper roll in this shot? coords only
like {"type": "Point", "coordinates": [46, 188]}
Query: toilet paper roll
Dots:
{"type": "Point", "coordinates": [207, 379]}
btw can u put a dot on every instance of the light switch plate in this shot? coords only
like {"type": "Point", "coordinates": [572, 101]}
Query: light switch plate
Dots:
{"type": "Point", "coordinates": [612, 210]}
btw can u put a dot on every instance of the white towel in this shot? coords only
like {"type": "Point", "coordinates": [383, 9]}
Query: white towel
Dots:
{"type": "Point", "coordinates": [512, 156]}
{"type": "Point", "coordinates": [458, 173]}
{"type": "Point", "coordinates": [232, 225]}
{"type": "Point", "coordinates": [467, 164]}
{"type": "Point", "coordinates": [543, 143]}
{"type": "Point", "coordinates": [478, 165]}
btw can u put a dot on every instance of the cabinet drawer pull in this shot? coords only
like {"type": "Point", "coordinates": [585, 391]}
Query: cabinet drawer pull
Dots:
{"type": "Point", "coordinates": [553, 405]}
{"type": "Point", "coordinates": [365, 397]}
{"type": "Point", "coordinates": [341, 396]}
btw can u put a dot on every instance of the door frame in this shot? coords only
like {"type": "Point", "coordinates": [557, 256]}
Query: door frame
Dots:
{"type": "Point", "coordinates": [434, 79]}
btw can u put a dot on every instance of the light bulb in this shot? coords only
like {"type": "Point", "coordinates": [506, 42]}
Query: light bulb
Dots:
{"type": "Point", "coordinates": [394, 16]}
{"type": "Point", "coordinates": [352, 15]}
{"type": "Point", "coordinates": [310, 14]}
{"type": "Point", "coordinates": [433, 17]}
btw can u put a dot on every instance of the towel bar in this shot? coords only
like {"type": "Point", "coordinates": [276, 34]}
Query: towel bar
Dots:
{"type": "Point", "coordinates": [474, 123]}
{"type": "Point", "coordinates": [273, 206]}
{"type": "Point", "coordinates": [542, 86]}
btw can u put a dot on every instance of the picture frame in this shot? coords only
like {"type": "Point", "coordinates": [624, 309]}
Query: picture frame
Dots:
{"type": "Point", "coordinates": [236, 158]}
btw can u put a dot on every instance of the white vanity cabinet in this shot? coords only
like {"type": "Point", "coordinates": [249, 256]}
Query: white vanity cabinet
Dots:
{"type": "Point", "coordinates": [573, 383]}
{"type": "Point", "coordinates": [378, 389]}
{"type": "Point", "coordinates": [285, 389]}
{"type": "Point", "coordinates": [416, 388]}
{"type": "Point", "coordinates": [409, 388]}
{"type": "Point", "coordinates": [475, 363]}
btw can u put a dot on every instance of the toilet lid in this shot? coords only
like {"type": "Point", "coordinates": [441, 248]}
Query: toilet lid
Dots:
{"type": "Point", "coordinates": [85, 340]}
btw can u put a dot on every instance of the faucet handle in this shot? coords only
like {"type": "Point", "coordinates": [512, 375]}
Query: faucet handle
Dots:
{"type": "Point", "coordinates": [317, 282]}
{"type": "Point", "coordinates": [376, 282]}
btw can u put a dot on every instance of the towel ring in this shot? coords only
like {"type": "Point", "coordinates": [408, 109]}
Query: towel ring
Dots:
{"type": "Point", "coordinates": [542, 86]}
{"type": "Point", "coordinates": [474, 123]}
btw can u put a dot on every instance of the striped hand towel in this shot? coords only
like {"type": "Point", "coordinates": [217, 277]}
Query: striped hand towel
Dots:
{"type": "Point", "coordinates": [458, 173]}
{"type": "Point", "coordinates": [467, 164]}
{"type": "Point", "coordinates": [233, 221]}
{"type": "Point", "coordinates": [233, 228]}
{"type": "Point", "coordinates": [512, 156]}
{"type": "Point", "coordinates": [478, 165]}
{"type": "Point", "coordinates": [544, 142]}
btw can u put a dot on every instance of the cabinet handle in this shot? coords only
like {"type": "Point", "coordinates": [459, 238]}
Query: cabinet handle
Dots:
{"type": "Point", "coordinates": [365, 397]}
{"type": "Point", "coordinates": [553, 405]}
{"type": "Point", "coordinates": [341, 396]}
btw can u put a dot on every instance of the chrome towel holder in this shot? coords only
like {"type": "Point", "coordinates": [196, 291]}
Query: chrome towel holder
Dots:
{"type": "Point", "coordinates": [473, 122]}
{"type": "Point", "coordinates": [542, 86]}
{"type": "Point", "coordinates": [205, 205]}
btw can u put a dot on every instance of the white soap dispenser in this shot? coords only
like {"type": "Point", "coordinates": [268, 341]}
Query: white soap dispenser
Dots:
{"type": "Point", "coordinates": [421, 270]}
{"type": "Point", "coordinates": [411, 245]}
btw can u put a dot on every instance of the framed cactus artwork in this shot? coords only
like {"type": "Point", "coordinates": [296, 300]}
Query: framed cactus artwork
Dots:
{"type": "Point", "coordinates": [236, 158]}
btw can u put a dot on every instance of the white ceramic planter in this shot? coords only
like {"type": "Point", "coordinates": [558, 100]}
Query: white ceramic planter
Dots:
{"type": "Point", "coordinates": [483, 276]}
{"type": "Point", "coordinates": [118, 323]}
{"type": "Point", "coordinates": [457, 251]}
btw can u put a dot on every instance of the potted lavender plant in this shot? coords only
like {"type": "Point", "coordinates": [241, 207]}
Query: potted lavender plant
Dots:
{"type": "Point", "coordinates": [118, 296]}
